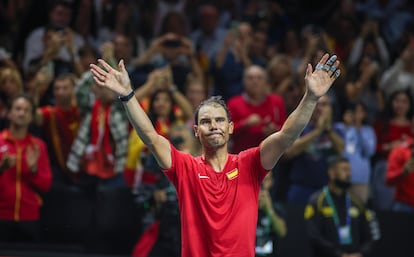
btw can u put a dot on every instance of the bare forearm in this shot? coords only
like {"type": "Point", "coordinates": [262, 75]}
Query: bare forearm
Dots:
{"type": "Point", "coordinates": [77, 66]}
{"type": "Point", "coordinates": [196, 68]}
{"type": "Point", "coordinates": [278, 224]}
{"type": "Point", "coordinates": [144, 91]}
{"type": "Point", "coordinates": [144, 58]}
{"type": "Point", "coordinates": [184, 104]}
{"type": "Point", "coordinates": [246, 60]}
{"type": "Point", "coordinates": [158, 145]}
{"type": "Point", "coordinates": [298, 119]}
{"type": "Point", "coordinates": [277, 143]}
{"type": "Point", "coordinates": [337, 141]}
{"type": "Point", "coordinates": [302, 143]}
{"type": "Point", "coordinates": [140, 121]}
{"type": "Point", "coordinates": [220, 57]}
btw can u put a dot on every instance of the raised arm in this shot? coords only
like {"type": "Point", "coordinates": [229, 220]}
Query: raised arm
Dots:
{"type": "Point", "coordinates": [318, 83]}
{"type": "Point", "coordinates": [118, 81]}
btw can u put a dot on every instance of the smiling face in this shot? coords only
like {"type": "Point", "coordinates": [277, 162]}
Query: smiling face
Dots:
{"type": "Point", "coordinates": [214, 128]}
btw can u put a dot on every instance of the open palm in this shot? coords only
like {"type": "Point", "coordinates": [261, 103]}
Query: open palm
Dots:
{"type": "Point", "coordinates": [326, 72]}
{"type": "Point", "coordinates": [116, 80]}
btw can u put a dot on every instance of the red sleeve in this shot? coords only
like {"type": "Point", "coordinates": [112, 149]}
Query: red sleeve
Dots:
{"type": "Point", "coordinates": [181, 162]}
{"type": "Point", "coordinates": [171, 172]}
{"type": "Point", "coordinates": [253, 160]}
{"type": "Point", "coordinates": [45, 115]}
{"type": "Point", "coordinates": [42, 179]}
{"type": "Point", "coordinates": [396, 160]}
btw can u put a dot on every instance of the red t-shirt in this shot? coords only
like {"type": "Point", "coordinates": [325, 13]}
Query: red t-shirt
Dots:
{"type": "Point", "coordinates": [404, 185]}
{"type": "Point", "coordinates": [387, 133]}
{"type": "Point", "coordinates": [60, 129]}
{"type": "Point", "coordinates": [272, 110]}
{"type": "Point", "coordinates": [218, 209]}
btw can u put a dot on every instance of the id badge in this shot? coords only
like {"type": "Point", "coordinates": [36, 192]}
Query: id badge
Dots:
{"type": "Point", "coordinates": [344, 233]}
{"type": "Point", "coordinates": [350, 148]}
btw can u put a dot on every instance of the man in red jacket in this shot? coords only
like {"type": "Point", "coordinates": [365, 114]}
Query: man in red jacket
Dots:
{"type": "Point", "coordinates": [24, 172]}
{"type": "Point", "coordinates": [400, 174]}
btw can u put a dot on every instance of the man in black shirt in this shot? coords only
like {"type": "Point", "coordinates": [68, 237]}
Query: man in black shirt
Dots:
{"type": "Point", "coordinates": [338, 224]}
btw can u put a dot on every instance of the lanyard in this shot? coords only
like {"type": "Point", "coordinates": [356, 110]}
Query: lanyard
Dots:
{"type": "Point", "coordinates": [335, 213]}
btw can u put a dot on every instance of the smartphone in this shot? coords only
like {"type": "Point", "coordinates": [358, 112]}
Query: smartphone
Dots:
{"type": "Point", "coordinates": [172, 43]}
{"type": "Point", "coordinates": [160, 64]}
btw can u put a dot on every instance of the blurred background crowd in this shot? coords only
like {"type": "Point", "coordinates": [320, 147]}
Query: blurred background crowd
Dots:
{"type": "Point", "coordinates": [178, 53]}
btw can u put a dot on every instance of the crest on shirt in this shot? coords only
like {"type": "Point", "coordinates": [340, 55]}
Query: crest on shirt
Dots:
{"type": "Point", "coordinates": [353, 212]}
{"type": "Point", "coordinates": [232, 174]}
{"type": "Point", "coordinates": [309, 212]}
{"type": "Point", "coordinates": [368, 216]}
{"type": "Point", "coordinates": [327, 212]}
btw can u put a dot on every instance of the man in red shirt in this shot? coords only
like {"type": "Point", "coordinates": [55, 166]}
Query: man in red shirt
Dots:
{"type": "Point", "coordinates": [24, 173]}
{"type": "Point", "coordinates": [60, 124]}
{"type": "Point", "coordinates": [400, 174]}
{"type": "Point", "coordinates": [256, 113]}
{"type": "Point", "coordinates": [217, 191]}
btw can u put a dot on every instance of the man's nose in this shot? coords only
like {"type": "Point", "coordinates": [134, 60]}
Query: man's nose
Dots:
{"type": "Point", "coordinates": [213, 124]}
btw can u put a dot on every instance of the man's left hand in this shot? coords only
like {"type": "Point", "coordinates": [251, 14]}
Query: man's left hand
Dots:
{"type": "Point", "coordinates": [326, 72]}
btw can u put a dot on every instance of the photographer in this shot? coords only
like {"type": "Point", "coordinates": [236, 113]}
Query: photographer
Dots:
{"type": "Point", "coordinates": [174, 50]}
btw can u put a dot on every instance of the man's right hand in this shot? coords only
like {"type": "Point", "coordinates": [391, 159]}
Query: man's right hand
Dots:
{"type": "Point", "coordinates": [7, 161]}
{"type": "Point", "coordinates": [116, 80]}
{"type": "Point", "coordinates": [253, 120]}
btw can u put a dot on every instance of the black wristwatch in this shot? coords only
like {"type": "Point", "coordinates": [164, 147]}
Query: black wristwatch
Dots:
{"type": "Point", "coordinates": [127, 97]}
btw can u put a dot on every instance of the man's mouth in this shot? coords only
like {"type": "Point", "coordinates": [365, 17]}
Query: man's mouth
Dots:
{"type": "Point", "coordinates": [215, 134]}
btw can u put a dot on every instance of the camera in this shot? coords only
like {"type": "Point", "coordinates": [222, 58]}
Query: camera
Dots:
{"type": "Point", "coordinates": [172, 43]}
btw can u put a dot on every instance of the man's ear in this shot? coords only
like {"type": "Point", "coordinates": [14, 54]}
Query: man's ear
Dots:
{"type": "Point", "coordinates": [331, 174]}
{"type": "Point", "coordinates": [231, 127]}
{"type": "Point", "coordinates": [195, 128]}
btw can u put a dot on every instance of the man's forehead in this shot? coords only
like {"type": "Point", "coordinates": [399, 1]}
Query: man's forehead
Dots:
{"type": "Point", "coordinates": [21, 103]}
{"type": "Point", "coordinates": [212, 111]}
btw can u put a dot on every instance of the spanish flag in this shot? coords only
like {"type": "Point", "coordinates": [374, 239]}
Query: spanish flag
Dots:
{"type": "Point", "coordinates": [232, 174]}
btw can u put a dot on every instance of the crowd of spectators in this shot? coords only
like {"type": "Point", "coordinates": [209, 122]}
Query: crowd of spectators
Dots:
{"type": "Point", "coordinates": [179, 52]}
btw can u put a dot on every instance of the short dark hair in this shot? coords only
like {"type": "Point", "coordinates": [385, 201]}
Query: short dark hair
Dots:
{"type": "Point", "coordinates": [335, 160]}
{"type": "Point", "coordinates": [27, 98]}
{"type": "Point", "coordinates": [213, 100]}
{"type": "Point", "coordinates": [67, 76]}
{"type": "Point", "coordinates": [54, 3]}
